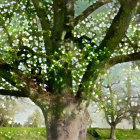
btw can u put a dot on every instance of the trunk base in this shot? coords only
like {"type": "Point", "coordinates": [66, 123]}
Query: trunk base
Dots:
{"type": "Point", "coordinates": [65, 117]}
{"type": "Point", "coordinates": [112, 133]}
{"type": "Point", "coordinates": [71, 128]}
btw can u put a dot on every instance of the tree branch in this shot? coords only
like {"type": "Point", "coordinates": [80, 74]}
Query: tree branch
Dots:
{"type": "Point", "coordinates": [123, 58]}
{"type": "Point", "coordinates": [122, 116]}
{"type": "Point", "coordinates": [12, 93]}
{"type": "Point", "coordinates": [5, 73]}
{"type": "Point", "coordinates": [119, 26]}
{"type": "Point", "coordinates": [89, 10]}
{"type": "Point", "coordinates": [133, 45]}
{"type": "Point", "coordinates": [6, 31]}
{"type": "Point", "coordinates": [110, 42]}
{"type": "Point", "coordinates": [106, 116]}
{"type": "Point", "coordinates": [45, 23]}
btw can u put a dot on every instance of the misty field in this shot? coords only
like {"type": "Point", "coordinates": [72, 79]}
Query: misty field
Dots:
{"type": "Point", "coordinates": [7, 133]}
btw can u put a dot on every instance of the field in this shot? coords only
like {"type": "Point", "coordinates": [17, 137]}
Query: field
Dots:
{"type": "Point", "coordinates": [121, 134]}
{"type": "Point", "coordinates": [7, 133]}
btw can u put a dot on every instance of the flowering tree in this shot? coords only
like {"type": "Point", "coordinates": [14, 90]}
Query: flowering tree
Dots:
{"type": "Point", "coordinates": [135, 113]}
{"type": "Point", "coordinates": [119, 99]}
{"type": "Point", "coordinates": [135, 95]}
{"type": "Point", "coordinates": [52, 57]}
{"type": "Point", "coordinates": [114, 103]}
{"type": "Point", "coordinates": [8, 108]}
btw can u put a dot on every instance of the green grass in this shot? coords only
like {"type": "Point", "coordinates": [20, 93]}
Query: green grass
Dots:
{"type": "Point", "coordinates": [121, 134]}
{"type": "Point", "coordinates": [7, 133]}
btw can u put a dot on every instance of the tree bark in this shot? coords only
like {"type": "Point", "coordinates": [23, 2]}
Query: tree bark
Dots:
{"type": "Point", "coordinates": [72, 128]}
{"type": "Point", "coordinates": [134, 123]}
{"type": "Point", "coordinates": [112, 132]}
{"type": "Point", "coordinates": [65, 117]}
{"type": "Point", "coordinates": [69, 126]}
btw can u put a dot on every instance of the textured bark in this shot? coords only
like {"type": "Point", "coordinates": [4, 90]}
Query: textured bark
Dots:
{"type": "Point", "coordinates": [123, 58]}
{"type": "Point", "coordinates": [112, 132]}
{"type": "Point", "coordinates": [73, 127]}
{"type": "Point", "coordinates": [65, 117]}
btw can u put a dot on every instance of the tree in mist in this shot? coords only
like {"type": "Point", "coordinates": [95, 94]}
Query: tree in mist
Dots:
{"type": "Point", "coordinates": [54, 58]}
{"type": "Point", "coordinates": [8, 109]}
{"type": "Point", "coordinates": [118, 97]}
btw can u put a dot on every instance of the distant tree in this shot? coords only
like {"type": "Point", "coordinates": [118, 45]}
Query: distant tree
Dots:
{"type": "Point", "coordinates": [54, 57]}
{"type": "Point", "coordinates": [8, 108]}
{"type": "Point", "coordinates": [135, 95]}
{"type": "Point", "coordinates": [113, 102]}
{"type": "Point", "coordinates": [134, 112]}
{"type": "Point", "coordinates": [119, 100]}
{"type": "Point", "coordinates": [15, 124]}
{"type": "Point", "coordinates": [35, 120]}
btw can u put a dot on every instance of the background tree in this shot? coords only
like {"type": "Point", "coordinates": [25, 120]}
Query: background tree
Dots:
{"type": "Point", "coordinates": [52, 57]}
{"type": "Point", "coordinates": [34, 120]}
{"type": "Point", "coordinates": [134, 112]}
{"type": "Point", "coordinates": [8, 108]}
{"type": "Point", "coordinates": [114, 104]}
{"type": "Point", "coordinates": [119, 96]}
{"type": "Point", "coordinates": [135, 95]}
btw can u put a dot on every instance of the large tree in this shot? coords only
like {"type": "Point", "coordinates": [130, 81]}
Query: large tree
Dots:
{"type": "Point", "coordinates": [52, 57]}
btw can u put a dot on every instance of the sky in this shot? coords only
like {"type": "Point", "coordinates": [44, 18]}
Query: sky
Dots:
{"type": "Point", "coordinates": [27, 107]}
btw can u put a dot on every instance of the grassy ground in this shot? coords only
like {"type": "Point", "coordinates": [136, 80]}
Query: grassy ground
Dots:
{"type": "Point", "coordinates": [7, 133]}
{"type": "Point", "coordinates": [39, 134]}
{"type": "Point", "coordinates": [121, 134]}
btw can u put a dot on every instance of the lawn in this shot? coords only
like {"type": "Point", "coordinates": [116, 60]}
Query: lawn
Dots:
{"type": "Point", "coordinates": [7, 133]}
{"type": "Point", "coordinates": [121, 134]}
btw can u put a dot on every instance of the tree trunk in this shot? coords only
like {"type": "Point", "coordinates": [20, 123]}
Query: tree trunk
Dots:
{"type": "Point", "coordinates": [65, 117]}
{"type": "Point", "coordinates": [134, 123]}
{"type": "Point", "coordinates": [72, 128]}
{"type": "Point", "coordinates": [72, 125]}
{"type": "Point", "coordinates": [112, 132]}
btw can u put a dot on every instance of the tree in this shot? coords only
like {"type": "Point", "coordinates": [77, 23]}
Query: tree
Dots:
{"type": "Point", "coordinates": [15, 124]}
{"type": "Point", "coordinates": [134, 111]}
{"type": "Point", "coordinates": [35, 120]}
{"type": "Point", "coordinates": [135, 96]}
{"type": "Point", "coordinates": [8, 108]}
{"type": "Point", "coordinates": [113, 101]}
{"type": "Point", "coordinates": [47, 56]}
{"type": "Point", "coordinates": [117, 96]}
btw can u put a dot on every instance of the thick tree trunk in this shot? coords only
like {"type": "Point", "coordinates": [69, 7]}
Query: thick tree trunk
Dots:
{"type": "Point", "coordinates": [112, 132]}
{"type": "Point", "coordinates": [72, 125]}
{"type": "Point", "coordinates": [65, 117]}
{"type": "Point", "coordinates": [134, 123]}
